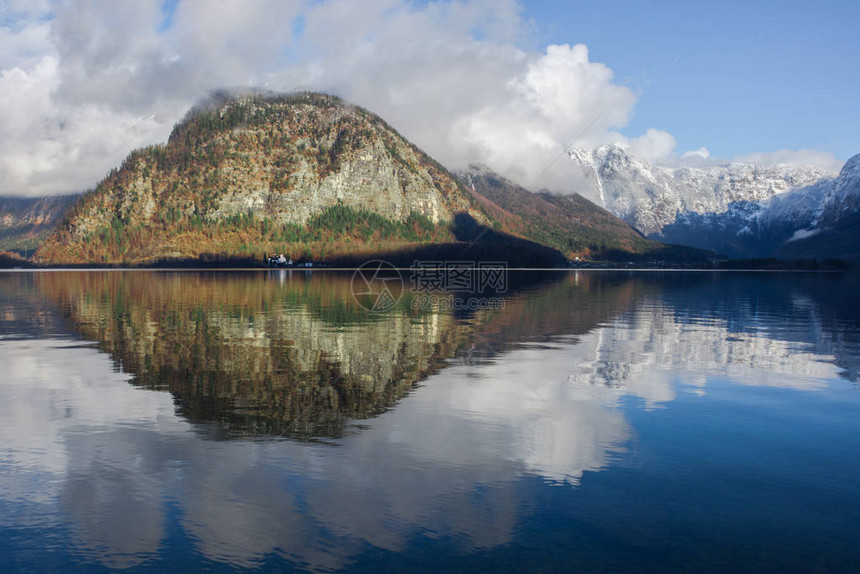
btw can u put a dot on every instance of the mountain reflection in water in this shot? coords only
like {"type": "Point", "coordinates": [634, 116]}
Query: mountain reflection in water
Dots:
{"type": "Point", "coordinates": [401, 426]}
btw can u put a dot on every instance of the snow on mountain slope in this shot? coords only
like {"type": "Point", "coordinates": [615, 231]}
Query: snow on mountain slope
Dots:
{"type": "Point", "coordinates": [740, 210]}
{"type": "Point", "coordinates": [650, 197]}
{"type": "Point", "coordinates": [835, 231]}
{"type": "Point", "coordinates": [799, 208]}
{"type": "Point", "coordinates": [816, 207]}
{"type": "Point", "coordinates": [844, 196]}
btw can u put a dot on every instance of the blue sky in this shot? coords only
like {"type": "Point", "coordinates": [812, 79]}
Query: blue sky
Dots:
{"type": "Point", "coordinates": [735, 77]}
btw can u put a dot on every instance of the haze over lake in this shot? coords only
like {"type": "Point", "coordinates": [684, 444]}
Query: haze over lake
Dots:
{"type": "Point", "coordinates": [614, 420]}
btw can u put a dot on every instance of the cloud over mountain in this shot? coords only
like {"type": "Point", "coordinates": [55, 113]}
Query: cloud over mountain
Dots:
{"type": "Point", "coordinates": [83, 83]}
{"type": "Point", "coordinates": [798, 157]}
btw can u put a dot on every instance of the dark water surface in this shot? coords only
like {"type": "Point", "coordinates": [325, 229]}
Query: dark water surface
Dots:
{"type": "Point", "coordinates": [601, 421]}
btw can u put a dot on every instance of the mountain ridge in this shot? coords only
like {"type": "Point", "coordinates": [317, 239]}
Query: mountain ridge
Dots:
{"type": "Point", "coordinates": [649, 196]}
{"type": "Point", "coordinates": [740, 210]}
{"type": "Point", "coordinates": [570, 223]}
{"type": "Point", "coordinates": [317, 178]}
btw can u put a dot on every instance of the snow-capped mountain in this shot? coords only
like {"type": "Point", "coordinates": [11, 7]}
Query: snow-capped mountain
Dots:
{"type": "Point", "coordinates": [835, 229]}
{"type": "Point", "coordinates": [737, 209]}
{"type": "Point", "coordinates": [843, 198]}
{"type": "Point", "coordinates": [650, 197]}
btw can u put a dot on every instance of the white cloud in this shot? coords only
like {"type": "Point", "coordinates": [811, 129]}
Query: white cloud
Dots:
{"type": "Point", "coordinates": [461, 98]}
{"type": "Point", "coordinates": [48, 146]}
{"type": "Point", "coordinates": [83, 84]}
{"type": "Point", "coordinates": [701, 153]}
{"type": "Point", "coordinates": [100, 78]}
{"type": "Point", "coordinates": [822, 159]}
{"type": "Point", "coordinates": [654, 145]}
{"type": "Point", "coordinates": [657, 147]}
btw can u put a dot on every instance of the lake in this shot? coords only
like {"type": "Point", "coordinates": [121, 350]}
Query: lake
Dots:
{"type": "Point", "coordinates": [610, 421]}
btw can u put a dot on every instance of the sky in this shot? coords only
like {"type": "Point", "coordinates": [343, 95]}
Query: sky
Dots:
{"type": "Point", "coordinates": [509, 84]}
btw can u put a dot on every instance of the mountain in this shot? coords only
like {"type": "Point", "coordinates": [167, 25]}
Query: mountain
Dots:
{"type": "Point", "coordinates": [740, 210]}
{"type": "Point", "coordinates": [834, 227]}
{"type": "Point", "coordinates": [570, 223]}
{"type": "Point", "coordinates": [311, 176]}
{"type": "Point", "coordinates": [750, 228]}
{"type": "Point", "coordinates": [248, 174]}
{"type": "Point", "coordinates": [843, 197]}
{"type": "Point", "coordinates": [650, 197]}
{"type": "Point", "coordinates": [25, 222]}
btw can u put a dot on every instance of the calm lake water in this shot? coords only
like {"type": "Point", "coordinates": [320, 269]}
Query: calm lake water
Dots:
{"type": "Point", "coordinates": [600, 421]}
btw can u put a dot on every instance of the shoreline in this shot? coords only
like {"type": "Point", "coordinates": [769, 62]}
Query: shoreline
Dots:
{"type": "Point", "coordinates": [353, 269]}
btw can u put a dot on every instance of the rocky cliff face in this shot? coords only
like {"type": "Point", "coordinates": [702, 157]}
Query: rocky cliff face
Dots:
{"type": "Point", "coordinates": [817, 220]}
{"type": "Point", "coordinates": [279, 159]}
{"type": "Point", "coordinates": [842, 199]}
{"type": "Point", "coordinates": [650, 197]}
{"type": "Point", "coordinates": [739, 210]}
{"type": "Point", "coordinates": [831, 217]}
